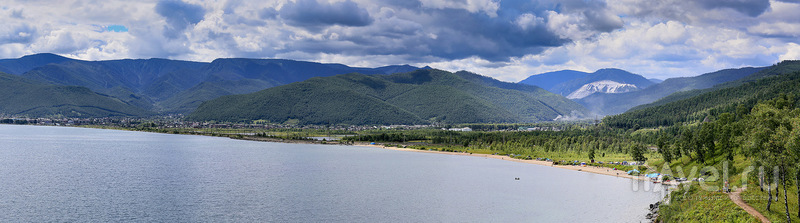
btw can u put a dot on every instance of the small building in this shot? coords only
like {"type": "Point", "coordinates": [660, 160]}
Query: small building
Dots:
{"type": "Point", "coordinates": [465, 129]}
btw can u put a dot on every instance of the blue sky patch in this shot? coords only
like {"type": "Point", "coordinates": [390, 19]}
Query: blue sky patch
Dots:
{"type": "Point", "coordinates": [116, 28]}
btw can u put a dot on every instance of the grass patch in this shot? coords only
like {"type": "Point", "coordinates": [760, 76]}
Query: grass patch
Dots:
{"type": "Point", "coordinates": [698, 205]}
{"type": "Point", "coordinates": [758, 200]}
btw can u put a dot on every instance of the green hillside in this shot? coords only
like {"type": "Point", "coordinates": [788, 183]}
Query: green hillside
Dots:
{"type": "Point", "coordinates": [779, 69]}
{"type": "Point", "coordinates": [21, 96]}
{"type": "Point", "coordinates": [737, 96]}
{"type": "Point", "coordinates": [186, 101]}
{"type": "Point", "coordinates": [418, 97]}
{"type": "Point", "coordinates": [174, 86]}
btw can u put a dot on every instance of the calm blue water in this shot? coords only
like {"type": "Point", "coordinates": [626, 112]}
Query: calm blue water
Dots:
{"type": "Point", "coordinates": [75, 174]}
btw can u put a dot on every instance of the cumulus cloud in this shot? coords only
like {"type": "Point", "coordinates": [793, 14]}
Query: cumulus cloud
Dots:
{"type": "Point", "coordinates": [17, 14]}
{"type": "Point", "coordinates": [21, 33]}
{"type": "Point", "coordinates": [268, 13]}
{"type": "Point", "coordinates": [603, 21]}
{"type": "Point", "coordinates": [781, 29]}
{"type": "Point", "coordinates": [751, 8]}
{"type": "Point", "coordinates": [415, 30]}
{"type": "Point", "coordinates": [709, 12]}
{"type": "Point", "coordinates": [179, 16]}
{"type": "Point", "coordinates": [507, 39]}
{"type": "Point", "coordinates": [489, 7]}
{"type": "Point", "coordinates": [528, 20]}
{"type": "Point", "coordinates": [313, 14]}
{"type": "Point", "coordinates": [62, 42]}
{"type": "Point", "coordinates": [792, 52]}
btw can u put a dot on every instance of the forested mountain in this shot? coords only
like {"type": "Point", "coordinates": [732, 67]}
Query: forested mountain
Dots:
{"type": "Point", "coordinates": [137, 82]}
{"type": "Point", "coordinates": [610, 104]}
{"type": "Point", "coordinates": [26, 63]}
{"type": "Point", "coordinates": [173, 86]}
{"type": "Point", "coordinates": [418, 97]}
{"type": "Point", "coordinates": [240, 76]}
{"type": "Point", "coordinates": [576, 84]}
{"type": "Point", "coordinates": [732, 97]}
{"type": "Point", "coordinates": [782, 68]}
{"type": "Point", "coordinates": [21, 96]}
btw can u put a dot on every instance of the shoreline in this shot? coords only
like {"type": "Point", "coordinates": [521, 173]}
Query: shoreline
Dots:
{"type": "Point", "coordinates": [589, 169]}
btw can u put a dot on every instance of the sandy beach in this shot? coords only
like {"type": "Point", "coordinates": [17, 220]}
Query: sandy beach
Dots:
{"type": "Point", "coordinates": [589, 169]}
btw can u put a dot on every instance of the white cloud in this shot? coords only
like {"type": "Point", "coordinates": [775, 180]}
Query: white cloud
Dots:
{"type": "Point", "coordinates": [776, 29]}
{"type": "Point", "coordinates": [792, 52]}
{"type": "Point", "coordinates": [489, 7]}
{"type": "Point", "coordinates": [655, 38]}
{"type": "Point", "coordinates": [782, 11]}
{"type": "Point", "coordinates": [528, 21]}
{"type": "Point", "coordinates": [568, 26]}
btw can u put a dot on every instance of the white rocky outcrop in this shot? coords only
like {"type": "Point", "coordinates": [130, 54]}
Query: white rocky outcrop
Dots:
{"type": "Point", "coordinates": [604, 86]}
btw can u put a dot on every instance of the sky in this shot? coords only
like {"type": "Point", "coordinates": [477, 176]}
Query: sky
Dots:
{"type": "Point", "coordinates": [505, 39]}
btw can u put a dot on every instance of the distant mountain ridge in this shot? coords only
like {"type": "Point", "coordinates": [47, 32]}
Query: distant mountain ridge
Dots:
{"type": "Point", "coordinates": [577, 84]}
{"type": "Point", "coordinates": [616, 75]}
{"type": "Point", "coordinates": [24, 64]}
{"type": "Point", "coordinates": [145, 87]}
{"type": "Point", "coordinates": [174, 86]}
{"type": "Point", "coordinates": [737, 96]}
{"type": "Point", "coordinates": [418, 97]}
{"type": "Point", "coordinates": [611, 104]}
{"type": "Point", "coordinates": [551, 79]}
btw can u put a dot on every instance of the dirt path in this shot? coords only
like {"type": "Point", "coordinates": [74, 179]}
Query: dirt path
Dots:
{"type": "Point", "coordinates": [736, 197]}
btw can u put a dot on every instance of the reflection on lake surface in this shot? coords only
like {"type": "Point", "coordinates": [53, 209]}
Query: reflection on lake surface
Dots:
{"type": "Point", "coordinates": [75, 174]}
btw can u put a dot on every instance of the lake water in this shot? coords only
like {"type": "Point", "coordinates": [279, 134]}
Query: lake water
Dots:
{"type": "Point", "coordinates": [76, 174]}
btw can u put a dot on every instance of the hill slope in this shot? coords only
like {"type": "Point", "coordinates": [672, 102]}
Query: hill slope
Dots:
{"type": "Point", "coordinates": [610, 104]}
{"type": "Point", "coordinates": [783, 78]}
{"type": "Point", "coordinates": [422, 96]}
{"type": "Point", "coordinates": [551, 79]}
{"type": "Point", "coordinates": [21, 96]}
{"type": "Point", "coordinates": [173, 86]}
{"type": "Point", "coordinates": [26, 63]}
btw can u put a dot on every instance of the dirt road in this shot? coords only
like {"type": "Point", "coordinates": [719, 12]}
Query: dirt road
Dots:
{"type": "Point", "coordinates": [736, 197]}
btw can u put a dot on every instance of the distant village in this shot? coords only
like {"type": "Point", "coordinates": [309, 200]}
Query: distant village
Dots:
{"type": "Point", "coordinates": [173, 121]}
{"type": "Point", "coordinates": [177, 122]}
